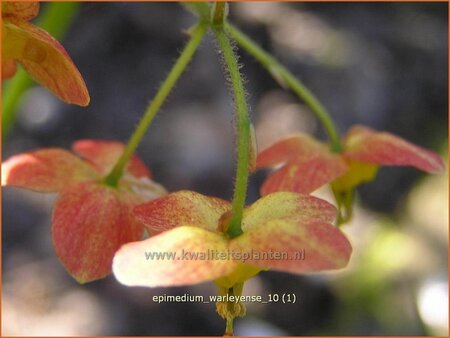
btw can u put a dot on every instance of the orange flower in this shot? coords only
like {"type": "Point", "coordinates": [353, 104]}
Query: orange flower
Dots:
{"type": "Point", "coordinates": [194, 248]}
{"type": "Point", "coordinates": [308, 164]}
{"type": "Point", "coordinates": [90, 219]}
{"type": "Point", "coordinates": [39, 53]}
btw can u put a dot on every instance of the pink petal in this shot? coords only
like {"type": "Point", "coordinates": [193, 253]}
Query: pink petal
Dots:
{"type": "Point", "coordinates": [47, 170]}
{"type": "Point", "coordinates": [45, 60]}
{"type": "Point", "coordinates": [305, 176]}
{"type": "Point", "coordinates": [287, 206]}
{"type": "Point", "coordinates": [105, 154]}
{"type": "Point", "coordinates": [298, 147]}
{"type": "Point", "coordinates": [134, 266]}
{"type": "Point", "coordinates": [366, 145]}
{"type": "Point", "coordinates": [90, 223]}
{"type": "Point", "coordinates": [324, 246]}
{"type": "Point", "coordinates": [19, 11]}
{"type": "Point", "coordinates": [183, 208]}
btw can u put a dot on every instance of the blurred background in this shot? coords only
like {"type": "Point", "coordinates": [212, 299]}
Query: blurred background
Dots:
{"type": "Point", "coordinates": [384, 65]}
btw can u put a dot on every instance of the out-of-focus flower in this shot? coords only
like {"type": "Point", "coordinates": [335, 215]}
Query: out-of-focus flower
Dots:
{"type": "Point", "coordinates": [282, 231]}
{"type": "Point", "coordinates": [308, 164]}
{"type": "Point", "coordinates": [91, 220]}
{"type": "Point", "coordinates": [39, 53]}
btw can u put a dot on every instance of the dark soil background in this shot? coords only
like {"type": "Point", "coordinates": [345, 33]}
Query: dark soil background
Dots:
{"type": "Point", "coordinates": [384, 65]}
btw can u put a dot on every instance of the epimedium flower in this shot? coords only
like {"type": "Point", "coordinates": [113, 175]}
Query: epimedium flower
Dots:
{"type": "Point", "coordinates": [90, 220]}
{"type": "Point", "coordinates": [193, 236]}
{"type": "Point", "coordinates": [307, 164]}
{"type": "Point", "coordinates": [44, 58]}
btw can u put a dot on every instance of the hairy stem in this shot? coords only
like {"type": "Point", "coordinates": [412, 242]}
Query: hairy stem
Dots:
{"type": "Point", "coordinates": [219, 13]}
{"type": "Point", "coordinates": [286, 78]}
{"type": "Point", "coordinates": [243, 133]}
{"type": "Point", "coordinates": [185, 57]}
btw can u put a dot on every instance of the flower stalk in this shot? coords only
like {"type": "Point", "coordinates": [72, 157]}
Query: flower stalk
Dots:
{"type": "Point", "coordinates": [185, 57]}
{"type": "Point", "coordinates": [287, 79]}
{"type": "Point", "coordinates": [243, 133]}
{"type": "Point", "coordinates": [219, 13]}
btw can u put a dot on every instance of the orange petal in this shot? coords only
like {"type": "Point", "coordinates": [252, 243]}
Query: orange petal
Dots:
{"type": "Point", "coordinates": [47, 170]}
{"type": "Point", "coordinates": [105, 154]}
{"type": "Point", "coordinates": [45, 60]}
{"type": "Point", "coordinates": [175, 257]}
{"type": "Point", "coordinates": [297, 147]}
{"type": "Point", "coordinates": [183, 208]}
{"type": "Point", "coordinates": [305, 176]}
{"type": "Point", "coordinates": [294, 246]}
{"type": "Point", "coordinates": [19, 11]}
{"type": "Point", "coordinates": [90, 223]}
{"type": "Point", "coordinates": [366, 145]}
{"type": "Point", "coordinates": [9, 68]}
{"type": "Point", "coordinates": [287, 205]}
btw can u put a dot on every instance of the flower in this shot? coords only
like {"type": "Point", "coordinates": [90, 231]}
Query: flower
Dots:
{"type": "Point", "coordinates": [90, 220]}
{"type": "Point", "coordinates": [39, 53]}
{"type": "Point", "coordinates": [193, 247]}
{"type": "Point", "coordinates": [308, 164]}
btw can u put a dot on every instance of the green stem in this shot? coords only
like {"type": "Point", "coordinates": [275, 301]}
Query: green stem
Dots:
{"type": "Point", "coordinates": [243, 133]}
{"type": "Point", "coordinates": [219, 13]}
{"type": "Point", "coordinates": [55, 19]}
{"type": "Point", "coordinates": [285, 78]}
{"type": "Point", "coordinates": [186, 55]}
{"type": "Point", "coordinates": [229, 327]}
{"type": "Point", "coordinates": [201, 9]}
